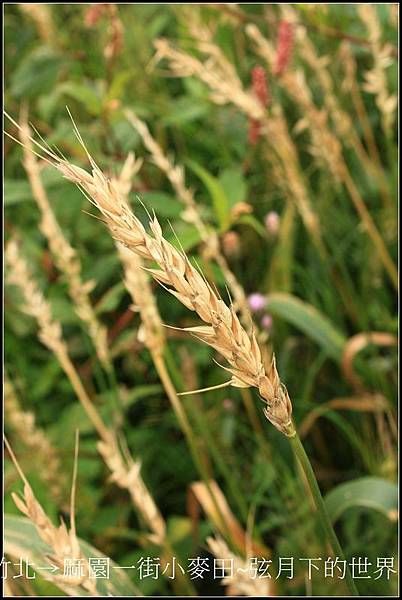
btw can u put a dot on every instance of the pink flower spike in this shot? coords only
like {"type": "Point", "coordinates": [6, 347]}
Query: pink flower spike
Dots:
{"type": "Point", "coordinates": [256, 302]}
{"type": "Point", "coordinates": [266, 322]}
{"type": "Point", "coordinates": [284, 48]}
{"type": "Point", "coordinates": [228, 404]}
{"type": "Point", "coordinates": [272, 222]}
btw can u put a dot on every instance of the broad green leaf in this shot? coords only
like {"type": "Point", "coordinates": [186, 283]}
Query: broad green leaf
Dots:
{"type": "Point", "coordinates": [19, 190]}
{"type": "Point", "coordinates": [185, 110]}
{"type": "Point", "coordinates": [309, 320]}
{"type": "Point", "coordinates": [111, 299]}
{"type": "Point", "coordinates": [125, 135]}
{"type": "Point", "coordinates": [22, 540]}
{"type": "Point", "coordinates": [254, 224]}
{"type": "Point", "coordinates": [74, 413]}
{"type": "Point", "coordinates": [50, 375]}
{"type": "Point", "coordinates": [139, 392]}
{"type": "Point", "coordinates": [63, 309]}
{"type": "Point", "coordinates": [179, 528]}
{"type": "Point", "coordinates": [365, 492]}
{"type": "Point", "coordinates": [83, 93]}
{"type": "Point", "coordinates": [118, 85]}
{"type": "Point", "coordinates": [234, 185]}
{"type": "Point", "coordinates": [157, 25]}
{"type": "Point", "coordinates": [196, 88]}
{"type": "Point", "coordinates": [37, 73]}
{"type": "Point", "coordinates": [187, 234]}
{"type": "Point", "coordinates": [217, 193]}
{"type": "Point", "coordinates": [165, 205]}
{"type": "Point", "coordinates": [16, 191]}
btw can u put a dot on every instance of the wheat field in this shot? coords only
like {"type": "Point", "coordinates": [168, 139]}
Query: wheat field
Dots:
{"type": "Point", "coordinates": [200, 308]}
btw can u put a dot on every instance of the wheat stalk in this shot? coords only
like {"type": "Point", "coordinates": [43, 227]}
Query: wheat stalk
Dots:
{"type": "Point", "coordinates": [350, 85]}
{"type": "Point", "coordinates": [327, 147]}
{"type": "Point", "coordinates": [65, 256]}
{"type": "Point", "coordinates": [151, 332]}
{"type": "Point", "coordinates": [342, 120]}
{"type": "Point", "coordinates": [63, 541]}
{"type": "Point", "coordinates": [222, 330]}
{"type": "Point", "coordinates": [216, 72]}
{"type": "Point", "coordinates": [24, 425]}
{"type": "Point", "coordinates": [238, 580]}
{"type": "Point", "coordinates": [50, 333]}
{"type": "Point", "coordinates": [175, 174]}
{"type": "Point", "coordinates": [376, 78]}
{"type": "Point", "coordinates": [227, 88]}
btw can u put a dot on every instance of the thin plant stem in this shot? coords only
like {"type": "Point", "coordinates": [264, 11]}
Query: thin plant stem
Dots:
{"type": "Point", "coordinates": [82, 395]}
{"type": "Point", "coordinates": [322, 513]}
{"type": "Point", "coordinates": [371, 229]}
{"type": "Point", "coordinates": [105, 435]}
{"type": "Point", "coordinates": [187, 430]}
{"type": "Point", "coordinates": [215, 451]}
{"type": "Point", "coordinates": [365, 123]}
{"type": "Point", "coordinates": [180, 583]}
{"type": "Point", "coordinates": [255, 422]}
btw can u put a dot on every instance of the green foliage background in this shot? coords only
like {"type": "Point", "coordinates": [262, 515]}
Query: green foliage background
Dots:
{"type": "Point", "coordinates": [312, 322]}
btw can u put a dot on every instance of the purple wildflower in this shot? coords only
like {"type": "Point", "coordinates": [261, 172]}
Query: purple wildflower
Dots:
{"type": "Point", "coordinates": [256, 302]}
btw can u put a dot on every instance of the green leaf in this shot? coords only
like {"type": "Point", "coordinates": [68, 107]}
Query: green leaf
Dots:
{"type": "Point", "coordinates": [309, 320]}
{"type": "Point", "coordinates": [22, 540]}
{"type": "Point", "coordinates": [217, 193]}
{"type": "Point", "coordinates": [280, 272]}
{"type": "Point", "coordinates": [118, 85]}
{"type": "Point", "coordinates": [186, 233]}
{"type": "Point", "coordinates": [165, 205]}
{"type": "Point", "coordinates": [37, 73]}
{"type": "Point", "coordinates": [111, 299]}
{"type": "Point", "coordinates": [75, 413]}
{"type": "Point", "coordinates": [234, 185]}
{"type": "Point", "coordinates": [366, 492]}
{"type": "Point", "coordinates": [185, 110]}
{"type": "Point", "coordinates": [139, 392]}
{"type": "Point", "coordinates": [16, 191]}
{"type": "Point", "coordinates": [84, 94]}
{"type": "Point", "coordinates": [254, 224]}
{"type": "Point", "coordinates": [179, 528]}
{"type": "Point", "coordinates": [19, 190]}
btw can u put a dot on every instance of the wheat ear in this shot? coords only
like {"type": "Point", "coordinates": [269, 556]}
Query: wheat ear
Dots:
{"type": "Point", "coordinates": [326, 146]}
{"type": "Point", "coordinates": [237, 578]}
{"type": "Point", "coordinates": [222, 330]}
{"type": "Point", "coordinates": [376, 78]}
{"type": "Point", "coordinates": [124, 472]}
{"type": "Point", "coordinates": [151, 331]}
{"type": "Point", "coordinates": [50, 332]}
{"type": "Point", "coordinates": [63, 541]}
{"type": "Point", "coordinates": [176, 176]}
{"type": "Point", "coordinates": [218, 73]}
{"type": "Point", "coordinates": [65, 256]}
{"type": "Point", "coordinates": [24, 425]}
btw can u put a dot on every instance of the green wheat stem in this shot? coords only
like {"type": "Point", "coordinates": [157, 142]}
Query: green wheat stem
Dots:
{"type": "Point", "coordinates": [322, 513]}
{"type": "Point", "coordinates": [215, 452]}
